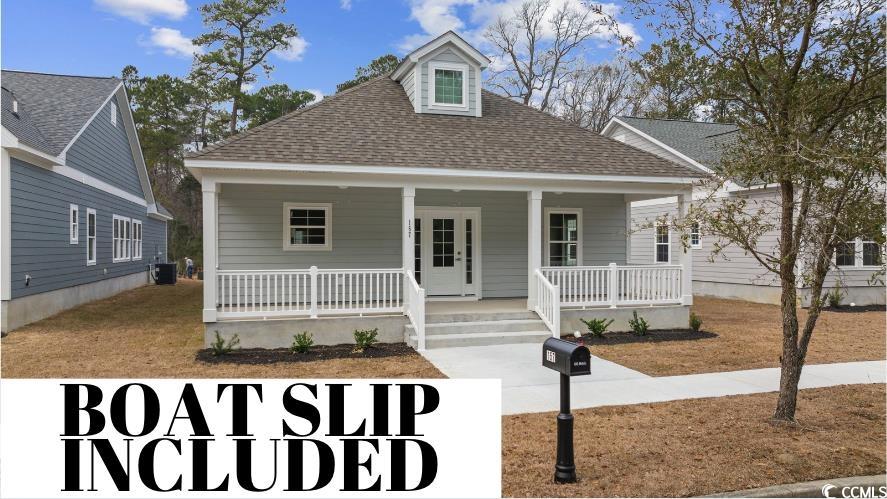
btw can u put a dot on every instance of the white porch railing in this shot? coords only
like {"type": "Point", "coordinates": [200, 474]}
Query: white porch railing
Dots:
{"type": "Point", "coordinates": [615, 285]}
{"type": "Point", "coordinates": [414, 308]}
{"type": "Point", "coordinates": [548, 303]}
{"type": "Point", "coordinates": [310, 292]}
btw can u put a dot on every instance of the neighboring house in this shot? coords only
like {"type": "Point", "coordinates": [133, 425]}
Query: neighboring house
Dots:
{"type": "Point", "coordinates": [734, 273]}
{"type": "Point", "coordinates": [79, 220]}
{"type": "Point", "coordinates": [419, 190]}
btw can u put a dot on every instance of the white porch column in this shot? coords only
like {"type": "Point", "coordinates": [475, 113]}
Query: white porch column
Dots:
{"type": "Point", "coordinates": [686, 255]}
{"type": "Point", "coordinates": [210, 244]}
{"type": "Point", "coordinates": [534, 243]}
{"type": "Point", "coordinates": [409, 233]}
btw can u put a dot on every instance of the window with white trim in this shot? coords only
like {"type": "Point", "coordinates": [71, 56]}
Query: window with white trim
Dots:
{"type": "Point", "coordinates": [662, 245]}
{"type": "Point", "coordinates": [113, 108]}
{"type": "Point", "coordinates": [859, 252]}
{"type": "Point", "coordinates": [448, 85]}
{"type": "Point", "coordinates": [695, 236]}
{"type": "Point", "coordinates": [563, 237]}
{"type": "Point", "coordinates": [122, 239]}
{"type": "Point", "coordinates": [307, 226]}
{"type": "Point", "coordinates": [74, 222]}
{"type": "Point", "coordinates": [845, 254]}
{"type": "Point", "coordinates": [91, 246]}
{"type": "Point", "coordinates": [136, 239]}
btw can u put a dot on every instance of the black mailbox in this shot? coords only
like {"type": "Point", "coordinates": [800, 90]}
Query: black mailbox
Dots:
{"type": "Point", "coordinates": [566, 357]}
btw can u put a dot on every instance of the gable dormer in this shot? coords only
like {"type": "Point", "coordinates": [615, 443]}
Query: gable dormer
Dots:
{"type": "Point", "coordinates": [443, 77]}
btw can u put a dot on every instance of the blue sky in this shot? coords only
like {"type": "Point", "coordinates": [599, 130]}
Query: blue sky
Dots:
{"type": "Point", "coordinates": [100, 37]}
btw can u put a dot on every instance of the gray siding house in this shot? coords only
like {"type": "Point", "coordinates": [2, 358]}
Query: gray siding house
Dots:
{"type": "Point", "coordinates": [732, 274]}
{"type": "Point", "coordinates": [79, 220]}
{"type": "Point", "coordinates": [442, 214]}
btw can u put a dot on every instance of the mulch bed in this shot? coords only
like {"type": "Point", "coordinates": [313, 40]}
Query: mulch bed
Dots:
{"type": "Point", "coordinates": [860, 308]}
{"type": "Point", "coordinates": [318, 352]}
{"type": "Point", "coordinates": [653, 336]}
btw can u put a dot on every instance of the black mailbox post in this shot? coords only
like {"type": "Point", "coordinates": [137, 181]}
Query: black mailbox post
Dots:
{"type": "Point", "coordinates": [569, 359]}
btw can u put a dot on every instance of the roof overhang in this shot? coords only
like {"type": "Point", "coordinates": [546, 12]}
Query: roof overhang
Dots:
{"type": "Point", "coordinates": [21, 150]}
{"type": "Point", "coordinates": [450, 37]}
{"type": "Point", "coordinates": [430, 178]}
{"type": "Point", "coordinates": [616, 122]}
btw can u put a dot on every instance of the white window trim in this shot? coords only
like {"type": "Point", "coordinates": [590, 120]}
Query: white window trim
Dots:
{"type": "Point", "coordinates": [698, 243]}
{"type": "Point", "coordinates": [136, 255]}
{"type": "Point", "coordinates": [127, 245]}
{"type": "Point", "coordinates": [858, 256]}
{"type": "Point", "coordinates": [656, 243]}
{"type": "Point", "coordinates": [328, 226]}
{"type": "Point", "coordinates": [93, 241]}
{"type": "Point", "coordinates": [73, 224]}
{"type": "Point", "coordinates": [434, 65]}
{"type": "Point", "coordinates": [113, 108]}
{"type": "Point", "coordinates": [546, 225]}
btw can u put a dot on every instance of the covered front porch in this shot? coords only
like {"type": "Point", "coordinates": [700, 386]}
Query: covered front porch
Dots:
{"type": "Point", "coordinates": [314, 247]}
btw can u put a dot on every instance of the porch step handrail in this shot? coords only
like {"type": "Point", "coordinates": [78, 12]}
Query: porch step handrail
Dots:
{"type": "Point", "coordinates": [414, 307]}
{"type": "Point", "coordinates": [614, 285]}
{"type": "Point", "coordinates": [548, 303]}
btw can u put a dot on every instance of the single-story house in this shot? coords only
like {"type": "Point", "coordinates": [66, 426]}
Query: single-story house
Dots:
{"type": "Point", "coordinates": [438, 212]}
{"type": "Point", "coordinates": [78, 218]}
{"type": "Point", "coordinates": [734, 273]}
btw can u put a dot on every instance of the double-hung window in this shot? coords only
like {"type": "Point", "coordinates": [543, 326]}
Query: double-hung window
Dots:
{"type": "Point", "coordinates": [859, 252]}
{"type": "Point", "coordinates": [74, 221]}
{"type": "Point", "coordinates": [136, 239]}
{"type": "Point", "coordinates": [122, 239]}
{"type": "Point", "coordinates": [90, 237]}
{"type": "Point", "coordinates": [662, 244]}
{"type": "Point", "coordinates": [448, 85]}
{"type": "Point", "coordinates": [563, 234]}
{"type": "Point", "coordinates": [307, 226]}
{"type": "Point", "coordinates": [695, 236]}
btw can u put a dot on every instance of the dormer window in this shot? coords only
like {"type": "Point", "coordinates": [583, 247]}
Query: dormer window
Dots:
{"type": "Point", "coordinates": [448, 85]}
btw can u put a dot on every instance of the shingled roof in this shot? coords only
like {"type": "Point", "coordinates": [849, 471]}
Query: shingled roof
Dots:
{"type": "Point", "coordinates": [374, 124]}
{"type": "Point", "coordinates": [52, 108]}
{"type": "Point", "coordinates": [703, 142]}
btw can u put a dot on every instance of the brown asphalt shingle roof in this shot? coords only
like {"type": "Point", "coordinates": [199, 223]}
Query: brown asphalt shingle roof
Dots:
{"type": "Point", "coordinates": [373, 124]}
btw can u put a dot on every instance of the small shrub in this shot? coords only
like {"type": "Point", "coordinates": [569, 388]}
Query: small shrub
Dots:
{"type": "Point", "coordinates": [835, 297]}
{"type": "Point", "coordinates": [639, 325]}
{"type": "Point", "coordinates": [364, 338]}
{"type": "Point", "coordinates": [695, 322]}
{"type": "Point", "coordinates": [221, 347]}
{"type": "Point", "coordinates": [302, 342]}
{"type": "Point", "coordinates": [597, 327]}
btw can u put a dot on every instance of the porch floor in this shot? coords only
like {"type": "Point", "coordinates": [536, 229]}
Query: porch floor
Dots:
{"type": "Point", "coordinates": [486, 306]}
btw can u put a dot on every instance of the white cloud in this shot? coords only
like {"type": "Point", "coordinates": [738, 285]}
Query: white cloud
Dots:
{"type": "Point", "coordinates": [345, 4]}
{"type": "Point", "coordinates": [172, 42]}
{"type": "Point", "coordinates": [142, 11]}
{"type": "Point", "coordinates": [318, 95]}
{"type": "Point", "coordinates": [470, 18]}
{"type": "Point", "coordinates": [294, 51]}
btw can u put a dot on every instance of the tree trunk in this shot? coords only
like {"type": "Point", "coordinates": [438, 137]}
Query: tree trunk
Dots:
{"type": "Point", "coordinates": [791, 362]}
{"type": "Point", "coordinates": [235, 104]}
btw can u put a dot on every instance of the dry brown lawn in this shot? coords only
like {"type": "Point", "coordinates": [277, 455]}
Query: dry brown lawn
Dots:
{"type": "Point", "coordinates": [694, 447]}
{"type": "Point", "coordinates": [749, 336]}
{"type": "Point", "coordinates": [155, 332]}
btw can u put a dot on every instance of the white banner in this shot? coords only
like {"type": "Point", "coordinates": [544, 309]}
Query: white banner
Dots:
{"type": "Point", "coordinates": [227, 438]}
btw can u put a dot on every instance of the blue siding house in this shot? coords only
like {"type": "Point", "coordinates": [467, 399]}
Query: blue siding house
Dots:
{"type": "Point", "coordinates": [78, 218]}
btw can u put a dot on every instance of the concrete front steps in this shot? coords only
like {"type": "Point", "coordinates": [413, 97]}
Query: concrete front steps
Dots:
{"type": "Point", "coordinates": [479, 329]}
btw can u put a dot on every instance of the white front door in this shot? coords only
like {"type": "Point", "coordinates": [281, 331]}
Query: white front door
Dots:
{"type": "Point", "coordinates": [448, 250]}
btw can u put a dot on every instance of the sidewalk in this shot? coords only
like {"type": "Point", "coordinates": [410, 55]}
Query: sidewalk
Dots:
{"type": "Point", "coordinates": [527, 387]}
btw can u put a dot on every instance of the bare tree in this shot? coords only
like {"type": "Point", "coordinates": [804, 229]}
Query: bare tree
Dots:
{"type": "Point", "coordinates": [538, 46]}
{"type": "Point", "coordinates": [592, 94]}
{"type": "Point", "coordinates": [806, 81]}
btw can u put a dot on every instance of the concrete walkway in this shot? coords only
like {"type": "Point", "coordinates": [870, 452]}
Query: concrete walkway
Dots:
{"type": "Point", "coordinates": [528, 387]}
